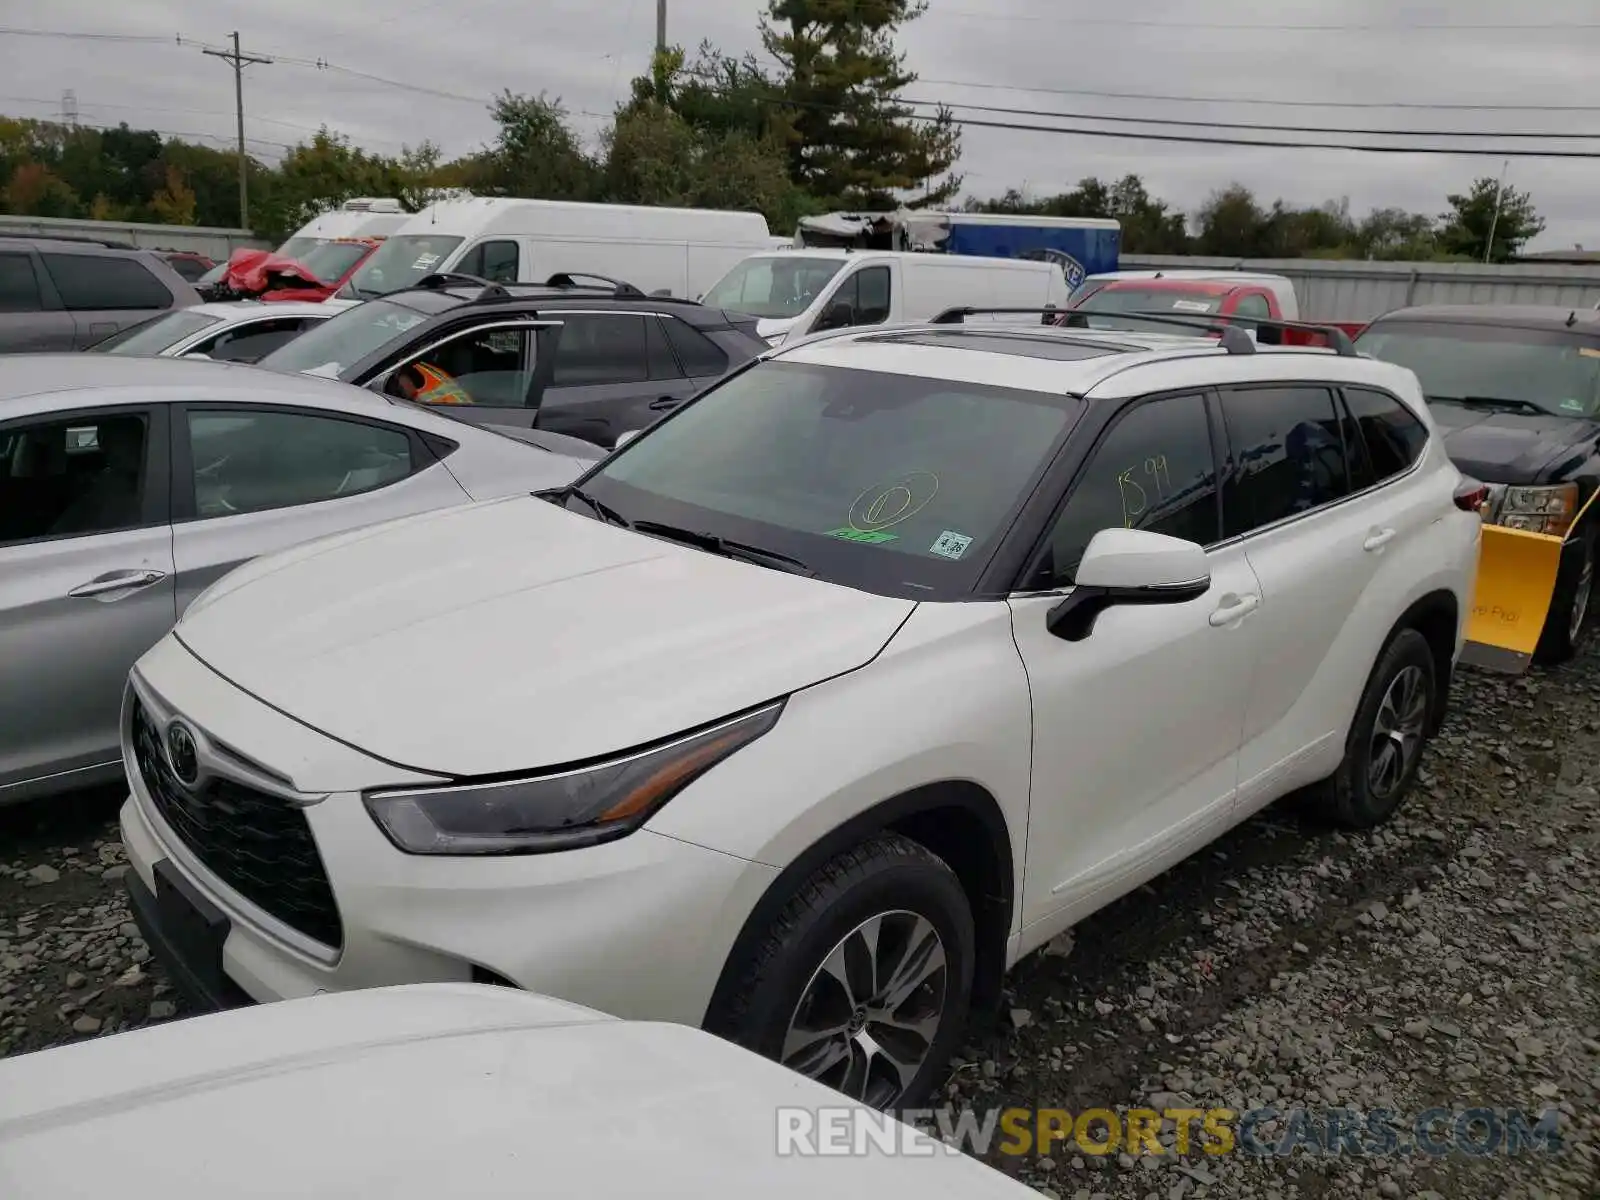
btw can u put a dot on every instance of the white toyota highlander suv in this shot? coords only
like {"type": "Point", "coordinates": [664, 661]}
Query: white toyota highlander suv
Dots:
{"type": "Point", "coordinates": [811, 710]}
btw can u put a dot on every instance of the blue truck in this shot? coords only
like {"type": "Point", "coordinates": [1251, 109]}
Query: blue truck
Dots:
{"type": "Point", "coordinates": [1079, 245]}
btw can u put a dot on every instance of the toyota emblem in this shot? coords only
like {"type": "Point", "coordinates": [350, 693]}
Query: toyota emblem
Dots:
{"type": "Point", "coordinates": [183, 755]}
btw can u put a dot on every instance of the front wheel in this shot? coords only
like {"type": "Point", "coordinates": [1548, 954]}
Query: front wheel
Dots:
{"type": "Point", "coordinates": [1386, 739]}
{"type": "Point", "coordinates": [863, 981]}
{"type": "Point", "coordinates": [1569, 604]}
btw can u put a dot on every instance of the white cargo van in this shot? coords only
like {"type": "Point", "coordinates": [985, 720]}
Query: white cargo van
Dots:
{"type": "Point", "coordinates": [677, 251]}
{"type": "Point", "coordinates": [799, 292]}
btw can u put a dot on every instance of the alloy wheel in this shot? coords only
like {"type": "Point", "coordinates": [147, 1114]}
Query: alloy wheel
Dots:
{"type": "Point", "coordinates": [867, 1019]}
{"type": "Point", "coordinates": [1397, 732]}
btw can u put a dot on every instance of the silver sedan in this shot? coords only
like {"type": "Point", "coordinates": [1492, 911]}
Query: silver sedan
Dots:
{"type": "Point", "coordinates": [130, 485]}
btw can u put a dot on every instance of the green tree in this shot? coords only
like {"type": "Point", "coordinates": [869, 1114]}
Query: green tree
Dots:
{"type": "Point", "coordinates": [1465, 228]}
{"type": "Point", "coordinates": [174, 204]}
{"type": "Point", "coordinates": [851, 141]}
{"type": "Point", "coordinates": [654, 156]}
{"type": "Point", "coordinates": [535, 154]}
{"type": "Point", "coordinates": [1395, 235]}
{"type": "Point", "coordinates": [35, 190]}
{"type": "Point", "coordinates": [1231, 224]}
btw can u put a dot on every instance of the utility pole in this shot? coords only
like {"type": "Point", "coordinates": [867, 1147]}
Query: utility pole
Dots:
{"type": "Point", "coordinates": [661, 26]}
{"type": "Point", "coordinates": [238, 60]}
{"type": "Point", "coordinates": [1499, 201]}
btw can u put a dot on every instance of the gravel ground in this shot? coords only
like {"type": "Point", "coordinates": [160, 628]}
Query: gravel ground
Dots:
{"type": "Point", "coordinates": [1449, 960]}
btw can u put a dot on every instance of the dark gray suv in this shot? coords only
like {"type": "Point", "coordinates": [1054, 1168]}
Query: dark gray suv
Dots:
{"type": "Point", "coordinates": [588, 360]}
{"type": "Point", "coordinates": [69, 293]}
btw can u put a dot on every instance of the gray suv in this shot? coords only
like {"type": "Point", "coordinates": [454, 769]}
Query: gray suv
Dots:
{"type": "Point", "coordinates": [69, 293]}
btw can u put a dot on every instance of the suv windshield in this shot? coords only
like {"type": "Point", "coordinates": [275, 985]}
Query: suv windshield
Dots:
{"type": "Point", "coordinates": [781, 286]}
{"type": "Point", "coordinates": [298, 247]}
{"type": "Point", "coordinates": [895, 484]}
{"type": "Point", "coordinates": [400, 262]}
{"type": "Point", "coordinates": [340, 342]}
{"type": "Point", "coordinates": [149, 338]}
{"type": "Point", "coordinates": [1552, 370]}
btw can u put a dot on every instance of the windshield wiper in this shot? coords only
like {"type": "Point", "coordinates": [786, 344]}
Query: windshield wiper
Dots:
{"type": "Point", "coordinates": [715, 544]}
{"type": "Point", "coordinates": [1497, 402]}
{"type": "Point", "coordinates": [600, 508]}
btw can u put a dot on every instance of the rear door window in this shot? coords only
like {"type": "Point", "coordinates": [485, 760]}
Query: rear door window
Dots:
{"type": "Point", "coordinates": [600, 348]}
{"type": "Point", "coordinates": [1288, 454]}
{"type": "Point", "coordinates": [98, 283]}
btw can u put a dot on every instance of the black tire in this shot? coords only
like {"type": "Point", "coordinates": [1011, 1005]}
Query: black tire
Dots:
{"type": "Point", "coordinates": [888, 874]}
{"type": "Point", "coordinates": [1350, 797]}
{"type": "Point", "coordinates": [1559, 640]}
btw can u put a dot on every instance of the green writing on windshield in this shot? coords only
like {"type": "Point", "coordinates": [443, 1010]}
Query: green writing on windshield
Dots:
{"type": "Point", "coordinates": [870, 536]}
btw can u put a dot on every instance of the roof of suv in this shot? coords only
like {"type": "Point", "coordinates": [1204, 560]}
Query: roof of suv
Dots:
{"type": "Point", "coordinates": [1055, 359]}
{"type": "Point", "coordinates": [466, 290]}
{"type": "Point", "coordinates": [1554, 317]}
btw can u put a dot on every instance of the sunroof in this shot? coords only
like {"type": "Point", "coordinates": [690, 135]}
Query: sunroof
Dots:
{"type": "Point", "coordinates": [1021, 344]}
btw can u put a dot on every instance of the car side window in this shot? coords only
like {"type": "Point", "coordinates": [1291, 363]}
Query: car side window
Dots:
{"type": "Point", "coordinates": [1154, 470]}
{"type": "Point", "coordinates": [699, 355]}
{"type": "Point", "coordinates": [1253, 305]}
{"type": "Point", "coordinates": [94, 283]}
{"type": "Point", "coordinates": [1394, 438]}
{"type": "Point", "coordinates": [495, 261]}
{"type": "Point", "coordinates": [872, 296]}
{"type": "Point", "coordinates": [600, 348]}
{"type": "Point", "coordinates": [1288, 456]}
{"type": "Point", "coordinates": [252, 342]}
{"type": "Point", "coordinates": [489, 368]}
{"type": "Point", "coordinates": [246, 460]}
{"type": "Point", "coordinates": [73, 476]}
{"type": "Point", "coordinates": [19, 286]}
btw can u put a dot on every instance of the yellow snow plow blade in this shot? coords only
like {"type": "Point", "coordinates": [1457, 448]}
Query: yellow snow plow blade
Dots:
{"type": "Point", "coordinates": [1516, 577]}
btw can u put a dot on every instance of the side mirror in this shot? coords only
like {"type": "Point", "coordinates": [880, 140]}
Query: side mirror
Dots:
{"type": "Point", "coordinates": [840, 314]}
{"type": "Point", "coordinates": [624, 438]}
{"type": "Point", "coordinates": [1129, 566]}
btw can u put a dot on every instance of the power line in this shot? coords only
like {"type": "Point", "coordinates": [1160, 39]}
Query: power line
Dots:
{"type": "Point", "coordinates": [1270, 26]}
{"type": "Point", "coordinates": [99, 106]}
{"type": "Point", "coordinates": [1276, 102]}
{"type": "Point", "coordinates": [1197, 124]}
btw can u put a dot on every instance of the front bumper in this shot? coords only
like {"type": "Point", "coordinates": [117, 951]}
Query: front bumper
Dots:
{"type": "Point", "coordinates": [640, 927]}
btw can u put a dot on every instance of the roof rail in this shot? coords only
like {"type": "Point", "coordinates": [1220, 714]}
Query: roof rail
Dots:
{"type": "Point", "coordinates": [570, 279]}
{"type": "Point", "coordinates": [1338, 339]}
{"type": "Point", "coordinates": [1234, 341]}
{"type": "Point", "coordinates": [108, 243]}
{"type": "Point", "coordinates": [444, 279]}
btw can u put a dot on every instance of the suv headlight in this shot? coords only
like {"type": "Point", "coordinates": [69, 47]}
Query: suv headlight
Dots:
{"type": "Point", "coordinates": [560, 811]}
{"type": "Point", "coordinates": [1545, 509]}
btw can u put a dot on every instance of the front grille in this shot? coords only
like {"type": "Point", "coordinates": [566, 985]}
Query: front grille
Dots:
{"type": "Point", "coordinates": [258, 844]}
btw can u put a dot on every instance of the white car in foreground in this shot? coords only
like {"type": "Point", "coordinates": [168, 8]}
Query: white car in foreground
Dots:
{"type": "Point", "coordinates": [809, 711]}
{"type": "Point", "coordinates": [432, 1092]}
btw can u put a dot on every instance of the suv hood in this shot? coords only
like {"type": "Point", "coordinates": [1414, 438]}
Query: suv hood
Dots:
{"type": "Point", "coordinates": [1506, 447]}
{"type": "Point", "coordinates": [514, 635]}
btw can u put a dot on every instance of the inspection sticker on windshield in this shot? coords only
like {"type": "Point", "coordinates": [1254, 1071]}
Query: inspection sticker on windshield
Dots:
{"type": "Point", "coordinates": [950, 544]}
{"type": "Point", "coordinates": [424, 261]}
{"type": "Point", "coordinates": [1589, 351]}
{"type": "Point", "coordinates": [1190, 306]}
{"type": "Point", "coordinates": [871, 537]}
{"type": "Point", "coordinates": [1572, 405]}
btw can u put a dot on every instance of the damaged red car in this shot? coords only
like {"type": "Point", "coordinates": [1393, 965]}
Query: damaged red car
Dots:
{"type": "Point", "coordinates": [313, 275]}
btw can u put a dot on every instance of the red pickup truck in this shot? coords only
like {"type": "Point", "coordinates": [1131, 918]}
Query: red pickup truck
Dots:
{"type": "Point", "coordinates": [1265, 296]}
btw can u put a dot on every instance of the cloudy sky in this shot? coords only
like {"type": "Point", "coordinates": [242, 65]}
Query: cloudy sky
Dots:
{"type": "Point", "coordinates": [1387, 65]}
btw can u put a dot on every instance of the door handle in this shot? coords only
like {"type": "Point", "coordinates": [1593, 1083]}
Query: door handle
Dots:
{"type": "Point", "coordinates": [1233, 608]}
{"type": "Point", "coordinates": [1377, 539]}
{"type": "Point", "coordinates": [117, 581]}
{"type": "Point", "coordinates": [665, 402]}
